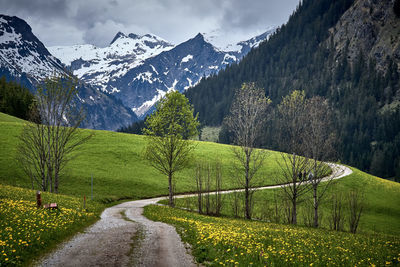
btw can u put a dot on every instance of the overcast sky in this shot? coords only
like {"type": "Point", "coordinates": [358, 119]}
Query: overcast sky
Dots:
{"type": "Point", "coordinates": [68, 22]}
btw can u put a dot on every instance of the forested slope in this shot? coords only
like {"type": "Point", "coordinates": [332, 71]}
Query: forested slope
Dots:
{"type": "Point", "coordinates": [346, 51]}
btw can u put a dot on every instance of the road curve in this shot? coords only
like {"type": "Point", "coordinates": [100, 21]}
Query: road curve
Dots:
{"type": "Point", "coordinates": [124, 237]}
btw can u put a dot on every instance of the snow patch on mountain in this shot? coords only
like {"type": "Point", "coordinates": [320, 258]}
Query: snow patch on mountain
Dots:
{"type": "Point", "coordinates": [140, 70]}
{"type": "Point", "coordinates": [234, 43]}
{"type": "Point", "coordinates": [22, 52]}
{"type": "Point", "coordinates": [140, 111]}
{"type": "Point", "coordinates": [186, 59]}
{"type": "Point", "coordinates": [141, 47]}
{"type": "Point", "coordinates": [98, 66]}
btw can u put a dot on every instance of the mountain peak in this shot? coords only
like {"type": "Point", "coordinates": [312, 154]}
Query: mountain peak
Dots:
{"type": "Point", "coordinates": [133, 36]}
{"type": "Point", "coordinates": [118, 36]}
{"type": "Point", "coordinates": [145, 38]}
{"type": "Point", "coordinates": [199, 36]}
{"type": "Point", "coordinates": [20, 47]}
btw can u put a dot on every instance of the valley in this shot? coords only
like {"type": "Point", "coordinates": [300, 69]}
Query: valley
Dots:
{"type": "Point", "coordinates": [261, 133]}
{"type": "Point", "coordinates": [121, 174]}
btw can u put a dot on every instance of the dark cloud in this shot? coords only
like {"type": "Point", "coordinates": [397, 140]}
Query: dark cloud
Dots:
{"type": "Point", "coordinates": [37, 8]}
{"type": "Point", "coordinates": [66, 22]}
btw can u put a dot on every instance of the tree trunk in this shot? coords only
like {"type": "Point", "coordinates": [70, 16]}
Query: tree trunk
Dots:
{"type": "Point", "coordinates": [199, 188]}
{"type": "Point", "coordinates": [56, 182]}
{"type": "Point", "coordinates": [315, 187]}
{"type": "Point", "coordinates": [294, 211]}
{"type": "Point", "coordinates": [171, 200]}
{"type": "Point", "coordinates": [247, 193]}
{"type": "Point", "coordinates": [294, 181]}
{"type": "Point", "coordinates": [247, 204]}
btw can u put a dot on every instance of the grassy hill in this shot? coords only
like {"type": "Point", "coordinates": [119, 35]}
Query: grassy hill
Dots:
{"type": "Point", "coordinates": [119, 170]}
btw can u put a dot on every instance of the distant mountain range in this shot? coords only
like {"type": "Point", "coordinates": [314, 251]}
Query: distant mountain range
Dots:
{"type": "Point", "coordinates": [24, 59]}
{"type": "Point", "coordinates": [139, 70]}
{"type": "Point", "coordinates": [122, 81]}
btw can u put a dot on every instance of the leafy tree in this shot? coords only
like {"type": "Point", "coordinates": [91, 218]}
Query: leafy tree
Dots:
{"type": "Point", "coordinates": [168, 129]}
{"type": "Point", "coordinates": [47, 141]}
{"type": "Point", "coordinates": [246, 121]}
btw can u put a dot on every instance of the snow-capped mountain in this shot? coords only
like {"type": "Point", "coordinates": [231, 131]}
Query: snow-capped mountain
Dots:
{"type": "Point", "coordinates": [22, 55]}
{"type": "Point", "coordinates": [139, 70]}
{"type": "Point", "coordinates": [98, 66]}
{"type": "Point", "coordinates": [227, 42]}
{"type": "Point", "coordinates": [23, 58]}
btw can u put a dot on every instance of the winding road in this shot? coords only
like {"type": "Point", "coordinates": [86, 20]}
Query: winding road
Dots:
{"type": "Point", "coordinates": [124, 237]}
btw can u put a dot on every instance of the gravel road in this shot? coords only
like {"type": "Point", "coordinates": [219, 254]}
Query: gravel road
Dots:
{"type": "Point", "coordinates": [124, 237]}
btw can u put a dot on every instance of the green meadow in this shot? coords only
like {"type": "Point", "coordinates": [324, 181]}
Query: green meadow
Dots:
{"type": "Point", "coordinates": [119, 171]}
{"type": "Point", "coordinates": [219, 241]}
{"type": "Point", "coordinates": [380, 197]}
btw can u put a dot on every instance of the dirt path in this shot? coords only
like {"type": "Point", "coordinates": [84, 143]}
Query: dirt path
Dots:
{"type": "Point", "coordinates": [124, 237]}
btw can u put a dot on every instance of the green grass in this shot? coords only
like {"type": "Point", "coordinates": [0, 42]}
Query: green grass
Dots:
{"type": "Point", "coordinates": [8, 118]}
{"type": "Point", "coordinates": [27, 232]}
{"type": "Point", "coordinates": [116, 162]}
{"type": "Point", "coordinates": [381, 211]}
{"type": "Point", "coordinates": [120, 172]}
{"type": "Point", "coordinates": [236, 242]}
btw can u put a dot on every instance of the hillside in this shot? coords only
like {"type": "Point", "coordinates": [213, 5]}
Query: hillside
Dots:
{"type": "Point", "coordinates": [346, 51]}
{"type": "Point", "coordinates": [119, 170]}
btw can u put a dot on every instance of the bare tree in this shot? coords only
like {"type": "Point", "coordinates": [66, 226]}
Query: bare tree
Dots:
{"type": "Point", "coordinates": [205, 188]}
{"type": "Point", "coordinates": [199, 187]}
{"type": "Point", "coordinates": [356, 206]}
{"type": "Point", "coordinates": [32, 151]}
{"type": "Point", "coordinates": [218, 188]}
{"type": "Point", "coordinates": [293, 181]}
{"type": "Point", "coordinates": [318, 141]}
{"type": "Point", "coordinates": [291, 112]}
{"type": "Point", "coordinates": [208, 188]}
{"type": "Point", "coordinates": [235, 201]}
{"type": "Point", "coordinates": [337, 216]}
{"type": "Point", "coordinates": [52, 134]}
{"type": "Point", "coordinates": [246, 119]}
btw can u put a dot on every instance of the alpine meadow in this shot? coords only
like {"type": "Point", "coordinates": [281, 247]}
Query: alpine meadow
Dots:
{"type": "Point", "coordinates": [264, 133]}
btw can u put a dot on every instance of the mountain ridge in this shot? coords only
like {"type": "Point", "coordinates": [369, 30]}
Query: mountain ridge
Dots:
{"type": "Point", "coordinates": [139, 78]}
{"type": "Point", "coordinates": [24, 58]}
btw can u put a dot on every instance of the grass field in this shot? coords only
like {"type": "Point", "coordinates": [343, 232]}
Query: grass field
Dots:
{"type": "Point", "coordinates": [116, 162]}
{"type": "Point", "coordinates": [381, 212]}
{"type": "Point", "coordinates": [120, 172]}
{"type": "Point", "coordinates": [236, 242]}
{"type": "Point", "coordinates": [26, 231]}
